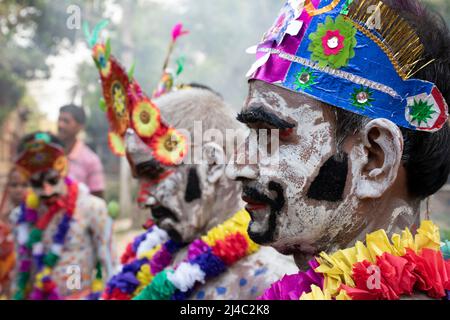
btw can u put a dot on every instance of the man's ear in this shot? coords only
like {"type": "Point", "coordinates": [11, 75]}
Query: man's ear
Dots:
{"type": "Point", "coordinates": [383, 148]}
{"type": "Point", "coordinates": [214, 156]}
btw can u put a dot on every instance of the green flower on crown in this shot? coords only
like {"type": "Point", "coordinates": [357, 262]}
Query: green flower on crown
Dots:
{"type": "Point", "coordinates": [333, 43]}
{"type": "Point", "coordinates": [362, 98]}
{"type": "Point", "coordinates": [304, 79]}
{"type": "Point", "coordinates": [421, 112]}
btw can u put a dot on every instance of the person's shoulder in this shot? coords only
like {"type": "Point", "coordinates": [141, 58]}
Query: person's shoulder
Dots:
{"type": "Point", "coordinates": [88, 202]}
{"type": "Point", "coordinates": [88, 153]}
{"type": "Point", "coordinates": [274, 261]}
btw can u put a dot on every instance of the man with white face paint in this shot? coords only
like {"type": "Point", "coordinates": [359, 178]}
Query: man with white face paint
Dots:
{"type": "Point", "coordinates": [63, 233]}
{"type": "Point", "coordinates": [362, 141]}
{"type": "Point", "coordinates": [199, 246]}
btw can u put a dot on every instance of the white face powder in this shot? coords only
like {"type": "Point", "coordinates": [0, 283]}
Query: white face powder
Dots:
{"type": "Point", "coordinates": [302, 225]}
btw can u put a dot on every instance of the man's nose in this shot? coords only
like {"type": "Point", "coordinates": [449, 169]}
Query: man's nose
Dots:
{"type": "Point", "coordinates": [48, 189]}
{"type": "Point", "coordinates": [244, 165]}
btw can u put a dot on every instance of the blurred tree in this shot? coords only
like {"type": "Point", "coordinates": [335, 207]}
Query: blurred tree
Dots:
{"type": "Point", "coordinates": [30, 31]}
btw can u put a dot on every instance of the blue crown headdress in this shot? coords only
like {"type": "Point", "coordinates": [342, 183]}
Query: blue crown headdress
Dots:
{"type": "Point", "coordinates": [360, 56]}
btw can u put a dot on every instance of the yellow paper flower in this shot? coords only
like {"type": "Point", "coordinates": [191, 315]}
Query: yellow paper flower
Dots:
{"type": "Point", "coordinates": [170, 148]}
{"type": "Point", "coordinates": [149, 254]}
{"type": "Point", "coordinates": [97, 285]}
{"type": "Point", "coordinates": [32, 200]}
{"type": "Point", "coordinates": [316, 294]}
{"type": "Point", "coordinates": [146, 118]}
{"type": "Point", "coordinates": [41, 275]}
{"type": "Point", "coordinates": [428, 236]}
{"type": "Point", "coordinates": [145, 277]}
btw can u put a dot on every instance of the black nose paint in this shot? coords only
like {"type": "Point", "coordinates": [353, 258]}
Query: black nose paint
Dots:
{"type": "Point", "coordinates": [329, 185]}
{"type": "Point", "coordinates": [193, 191]}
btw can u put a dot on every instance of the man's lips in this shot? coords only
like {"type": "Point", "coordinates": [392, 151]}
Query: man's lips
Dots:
{"type": "Point", "coordinates": [257, 200]}
{"type": "Point", "coordinates": [160, 213]}
{"type": "Point", "coordinates": [253, 205]}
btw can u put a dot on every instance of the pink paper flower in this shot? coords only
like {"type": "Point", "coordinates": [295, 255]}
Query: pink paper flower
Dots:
{"type": "Point", "coordinates": [333, 42]}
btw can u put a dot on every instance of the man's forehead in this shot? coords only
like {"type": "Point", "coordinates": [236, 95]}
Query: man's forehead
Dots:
{"type": "Point", "coordinates": [278, 97]}
{"type": "Point", "coordinates": [286, 104]}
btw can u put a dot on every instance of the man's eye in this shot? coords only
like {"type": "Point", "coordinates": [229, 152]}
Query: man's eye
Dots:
{"type": "Point", "coordinates": [36, 184]}
{"type": "Point", "coordinates": [53, 181]}
{"type": "Point", "coordinates": [151, 175]}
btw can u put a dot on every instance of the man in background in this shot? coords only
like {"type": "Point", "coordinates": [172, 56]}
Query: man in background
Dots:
{"type": "Point", "coordinates": [85, 166]}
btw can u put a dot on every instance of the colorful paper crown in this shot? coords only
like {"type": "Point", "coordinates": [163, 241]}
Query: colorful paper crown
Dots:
{"type": "Point", "coordinates": [356, 55]}
{"type": "Point", "coordinates": [41, 155]}
{"type": "Point", "coordinates": [128, 107]}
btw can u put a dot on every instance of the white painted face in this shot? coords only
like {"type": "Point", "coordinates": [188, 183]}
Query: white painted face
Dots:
{"type": "Point", "coordinates": [283, 215]}
{"type": "Point", "coordinates": [180, 198]}
{"type": "Point", "coordinates": [48, 185]}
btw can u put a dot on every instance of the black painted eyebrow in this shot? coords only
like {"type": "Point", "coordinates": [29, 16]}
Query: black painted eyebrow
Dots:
{"type": "Point", "coordinates": [260, 115]}
{"type": "Point", "coordinates": [149, 167]}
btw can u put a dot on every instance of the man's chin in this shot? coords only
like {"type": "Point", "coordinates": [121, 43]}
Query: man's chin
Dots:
{"type": "Point", "coordinates": [260, 235]}
{"type": "Point", "coordinates": [169, 227]}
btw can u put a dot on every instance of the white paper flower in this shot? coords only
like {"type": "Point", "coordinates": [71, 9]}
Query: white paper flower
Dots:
{"type": "Point", "coordinates": [186, 275]}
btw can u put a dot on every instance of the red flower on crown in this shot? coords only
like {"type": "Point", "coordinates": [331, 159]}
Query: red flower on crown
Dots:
{"type": "Point", "coordinates": [333, 42]}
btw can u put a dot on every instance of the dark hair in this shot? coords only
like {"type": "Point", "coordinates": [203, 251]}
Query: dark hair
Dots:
{"type": "Point", "coordinates": [426, 155]}
{"type": "Point", "coordinates": [32, 136]}
{"type": "Point", "coordinates": [204, 87]}
{"type": "Point", "coordinates": [77, 113]}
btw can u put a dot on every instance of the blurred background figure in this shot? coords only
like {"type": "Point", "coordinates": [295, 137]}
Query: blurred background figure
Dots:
{"type": "Point", "coordinates": [61, 222]}
{"type": "Point", "coordinates": [7, 260]}
{"type": "Point", "coordinates": [84, 165]}
{"type": "Point", "coordinates": [14, 193]}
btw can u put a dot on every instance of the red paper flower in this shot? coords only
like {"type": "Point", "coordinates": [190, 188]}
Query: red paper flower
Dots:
{"type": "Point", "coordinates": [128, 255]}
{"type": "Point", "coordinates": [233, 248]}
{"type": "Point", "coordinates": [333, 42]}
{"type": "Point", "coordinates": [398, 276]}
{"type": "Point", "coordinates": [431, 271]}
{"type": "Point", "coordinates": [117, 295]}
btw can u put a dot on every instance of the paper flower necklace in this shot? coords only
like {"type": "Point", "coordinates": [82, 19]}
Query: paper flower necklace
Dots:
{"type": "Point", "coordinates": [147, 255]}
{"type": "Point", "coordinates": [208, 257]}
{"type": "Point", "coordinates": [379, 270]}
{"type": "Point", "coordinates": [31, 248]}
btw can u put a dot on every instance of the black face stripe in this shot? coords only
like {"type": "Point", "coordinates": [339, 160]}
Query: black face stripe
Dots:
{"type": "Point", "coordinates": [260, 115]}
{"type": "Point", "coordinates": [276, 205]}
{"type": "Point", "coordinates": [329, 185]}
{"type": "Point", "coordinates": [193, 190]}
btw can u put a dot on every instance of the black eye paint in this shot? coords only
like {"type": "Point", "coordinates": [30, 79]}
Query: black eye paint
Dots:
{"type": "Point", "coordinates": [193, 191]}
{"type": "Point", "coordinates": [329, 185]}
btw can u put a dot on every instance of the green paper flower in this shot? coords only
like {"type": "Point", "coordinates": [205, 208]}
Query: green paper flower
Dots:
{"type": "Point", "coordinates": [19, 296]}
{"type": "Point", "coordinates": [362, 98]}
{"type": "Point", "coordinates": [421, 111]}
{"type": "Point", "coordinates": [160, 288]}
{"type": "Point", "coordinates": [35, 237]}
{"type": "Point", "coordinates": [304, 79]}
{"type": "Point", "coordinates": [333, 43]}
{"type": "Point", "coordinates": [51, 260]}
{"type": "Point", "coordinates": [22, 281]}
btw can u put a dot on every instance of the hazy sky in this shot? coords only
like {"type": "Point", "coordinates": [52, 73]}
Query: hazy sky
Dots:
{"type": "Point", "coordinates": [51, 94]}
